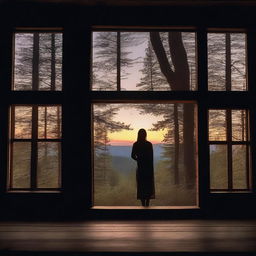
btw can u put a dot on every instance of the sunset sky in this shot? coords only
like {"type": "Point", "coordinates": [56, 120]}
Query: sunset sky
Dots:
{"type": "Point", "coordinates": [137, 121]}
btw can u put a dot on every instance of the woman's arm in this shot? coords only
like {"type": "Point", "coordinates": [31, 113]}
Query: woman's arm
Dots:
{"type": "Point", "coordinates": [133, 154]}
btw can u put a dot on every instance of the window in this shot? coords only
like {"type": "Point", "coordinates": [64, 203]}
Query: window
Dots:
{"type": "Point", "coordinates": [227, 69]}
{"type": "Point", "coordinates": [37, 61]}
{"type": "Point", "coordinates": [35, 125]}
{"type": "Point", "coordinates": [229, 145]}
{"type": "Point", "coordinates": [149, 62]}
{"type": "Point", "coordinates": [35, 147]}
{"type": "Point", "coordinates": [130, 61]}
{"type": "Point", "coordinates": [115, 130]}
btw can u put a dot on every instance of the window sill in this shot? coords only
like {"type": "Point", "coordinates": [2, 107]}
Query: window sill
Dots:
{"type": "Point", "coordinates": [33, 192]}
{"type": "Point", "coordinates": [144, 207]}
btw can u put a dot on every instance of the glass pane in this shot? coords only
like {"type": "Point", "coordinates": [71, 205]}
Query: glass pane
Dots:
{"type": "Point", "coordinates": [216, 62]}
{"type": "Point", "coordinates": [48, 169]}
{"type": "Point", "coordinates": [104, 66]}
{"type": "Point", "coordinates": [38, 61]}
{"type": "Point", "coordinates": [238, 61]}
{"type": "Point", "coordinates": [23, 122]}
{"type": "Point", "coordinates": [21, 158]}
{"type": "Point", "coordinates": [49, 122]}
{"type": "Point", "coordinates": [227, 62]}
{"type": "Point", "coordinates": [23, 61]}
{"type": "Point", "coordinates": [218, 167]}
{"type": "Point", "coordinates": [167, 125]}
{"type": "Point", "coordinates": [217, 125]}
{"type": "Point", "coordinates": [239, 125]}
{"type": "Point", "coordinates": [144, 61]}
{"type": "Point", "coordinates": [239, 167]}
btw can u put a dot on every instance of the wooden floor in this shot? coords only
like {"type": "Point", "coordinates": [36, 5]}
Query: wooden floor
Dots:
{"type": "Point", "coordinates": [180, 236]}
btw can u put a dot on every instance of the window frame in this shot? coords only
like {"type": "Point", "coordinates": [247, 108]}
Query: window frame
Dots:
{"type": "Point", "coordinates": [34, 140]}
{"type": "Point", "coordinates": [34, 98]}
{"type": "Point", "coordinates": [229, 142]}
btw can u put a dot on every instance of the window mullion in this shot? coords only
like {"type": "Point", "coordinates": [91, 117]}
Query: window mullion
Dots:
{"type": "Point", "coordinates": [247, 151]}
{"type": "Point", "coordinates": [12, 133]}
{"type": "Point", "coordinates": [34, 149]}
{"type": "Point", "coordinates": [229, 145]}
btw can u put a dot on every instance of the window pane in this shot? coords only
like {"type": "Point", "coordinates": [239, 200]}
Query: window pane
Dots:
{"type": "Point", "coordinates": [20, 169]}
{"type": "Point", "coordinates": [49, 122]}
{"type": "Point", "coordinates": [48, 169]}
{"type": "Point", "coordinates": [227, 62]}
{"type": "Point", "coordinates": [132, 61]}
{"type": "Point", "coordinates": [239, 167]}
{"type": "Point", "coordinates": [217, 125]}
{"type": "Point", "coordinates": [23, 122]}
{"type": "Point", "coordinates": [218, 167]}
{"type": "Point", "coordinates": [38, 61]}
{"type": "Point", "coordinates": [239, 125]}
{"type": "Point", "coordinates": [104, 66]}
{"type": "Point", "coordinates": [167, 125]}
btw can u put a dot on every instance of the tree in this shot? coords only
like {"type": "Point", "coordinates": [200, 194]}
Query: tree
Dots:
{"type": "Point", "coordinates": [38, 61]}
{"type": "Point", "coordinates": [103, 124]}
{"type": "Point", "coordinates": [152, 79]}
{"type": "Point", "coordinates": [178, 79]}
{"type": "Point", "coordinates": [111, 57]}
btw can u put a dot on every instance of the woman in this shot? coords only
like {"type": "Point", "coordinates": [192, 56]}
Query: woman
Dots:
{"type": "Point", "coordinates": [142, 152]}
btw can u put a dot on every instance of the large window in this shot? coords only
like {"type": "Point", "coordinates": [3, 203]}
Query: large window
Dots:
{"type": "Point", "coordinates": [149, 61]}
{"type": "Point", "coordinates": [175, 173]}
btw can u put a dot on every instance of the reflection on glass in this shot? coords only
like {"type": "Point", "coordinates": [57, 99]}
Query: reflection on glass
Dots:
{"type": "Point", "coordinates": [23, 122]}
{"type": "Point", "coordinates": [115, 130]}
{"type": "Point", "coordinates": [227, 62]}
{"type": "Point", "coordinates": [134, 61]}
{"type": "Point", "coordinates": [239, 125]}
{"type": "Point", "coordinates": [38, 61]}
{"type": "Point", "coordinates": [239, 167]}
{"type": "Point", "coordinates": [21, 153]}
{"type": "Point", "coordinates": [49, 122]}
{"type": "Point", "coordinates": [48, 169]}
{"type": "Point", "coordinates": [217, 125]}
{"type": "Point", "coordinates": [218, 167]}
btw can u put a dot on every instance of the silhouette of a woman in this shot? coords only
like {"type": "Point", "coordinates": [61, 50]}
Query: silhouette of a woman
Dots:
{"type": "Point", "coordinates": [142, 152]}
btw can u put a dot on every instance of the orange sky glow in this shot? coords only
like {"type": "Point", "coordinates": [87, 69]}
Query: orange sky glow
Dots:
{"type": "Point", "coordinates": [132, 116]}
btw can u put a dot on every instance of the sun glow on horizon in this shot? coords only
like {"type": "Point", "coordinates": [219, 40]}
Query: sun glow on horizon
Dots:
{"type": "Point", "coordinates": [137, 120]}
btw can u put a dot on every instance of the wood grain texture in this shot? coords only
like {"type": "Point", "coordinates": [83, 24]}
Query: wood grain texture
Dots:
{"type": "Point", "coordinates": [202, 236]}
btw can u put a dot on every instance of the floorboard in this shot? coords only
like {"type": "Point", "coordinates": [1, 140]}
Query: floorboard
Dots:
{"type": "Point", "coordinates": [177, 236]}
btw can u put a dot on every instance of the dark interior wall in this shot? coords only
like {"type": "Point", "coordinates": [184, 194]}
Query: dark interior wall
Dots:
{"type": "Point", "coordinates": [77, 21]}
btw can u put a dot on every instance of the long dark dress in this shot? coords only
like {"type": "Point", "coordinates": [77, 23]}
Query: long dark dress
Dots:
{"type": "Point", "coordinates": [142, 152]}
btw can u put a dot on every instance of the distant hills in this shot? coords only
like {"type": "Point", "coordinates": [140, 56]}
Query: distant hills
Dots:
{"type": "Point", "coordinates": [125, 151]}
{"type": "Point", "coordinates": [121, 157]}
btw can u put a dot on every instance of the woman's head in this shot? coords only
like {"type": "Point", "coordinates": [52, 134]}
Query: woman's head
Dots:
{"type": "Point", "coordinates": [142, 135]}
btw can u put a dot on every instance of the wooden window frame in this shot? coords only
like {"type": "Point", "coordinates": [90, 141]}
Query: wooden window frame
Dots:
{"type": "Point", "coordinates": [35, 99]}
{"type": "Point", "coordinates": [34, 140]}
{"type": "Point", "coordinates": [229, 143]}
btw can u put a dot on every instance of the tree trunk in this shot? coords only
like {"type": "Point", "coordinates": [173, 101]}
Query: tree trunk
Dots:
{"type": "Point", "coordinates": [53, 60]}
{"type": "Point", "coordinates": [179, 81]}
{"type": "Point", "coordinates": [35, 63]}
{"type": "Point", "coordinates": [118, 61]}
{"type": "Point", "coordinates": [228, 62]}
{"type": "Point", "coordinates": [176, 145]}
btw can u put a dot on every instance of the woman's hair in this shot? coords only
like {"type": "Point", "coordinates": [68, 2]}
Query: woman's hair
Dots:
{"type": "Point", "coordinates": [142, 135]}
